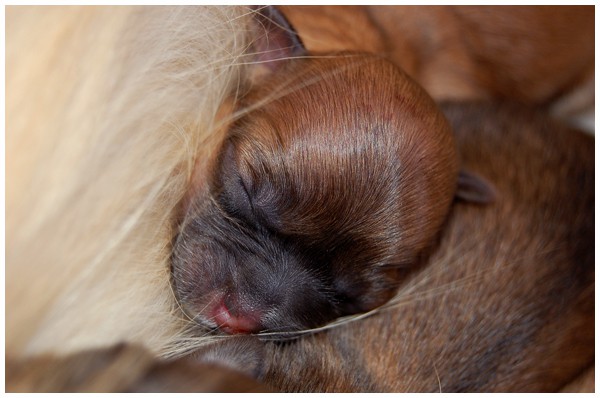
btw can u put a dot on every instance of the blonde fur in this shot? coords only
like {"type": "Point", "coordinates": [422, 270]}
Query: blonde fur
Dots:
{"type": "Point", "coordinates": [108, 110]}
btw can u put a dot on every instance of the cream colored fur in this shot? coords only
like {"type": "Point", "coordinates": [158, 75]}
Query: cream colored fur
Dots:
{"type": "Point", "coordinates": [107, 111]}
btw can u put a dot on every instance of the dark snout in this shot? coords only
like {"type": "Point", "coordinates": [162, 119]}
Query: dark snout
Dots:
{"type": "Point", "coordinates": [273, 292]}
{"type": "Point", "coordinates": [243, 280]}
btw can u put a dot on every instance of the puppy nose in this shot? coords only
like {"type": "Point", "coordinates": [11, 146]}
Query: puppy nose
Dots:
{"type": "Point", "coordinates": [235, 322]}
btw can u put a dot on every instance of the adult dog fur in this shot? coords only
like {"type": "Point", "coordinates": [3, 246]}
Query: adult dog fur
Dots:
{"type": "Point", "coordinates": [509, 308]}
{"type": "Point", "coordinates": [109, 110]}
{"type": "Point", "coordinates": [110, 92]}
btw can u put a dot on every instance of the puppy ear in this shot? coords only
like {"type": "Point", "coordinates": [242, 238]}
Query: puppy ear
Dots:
{"type": "Point", "coordinates": [276, 40]}
{"type": "Point", "coordinates": [474, 189]}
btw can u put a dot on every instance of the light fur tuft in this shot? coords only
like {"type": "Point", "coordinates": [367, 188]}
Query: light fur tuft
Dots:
{"type": "Point", "coordinates": [108, 111]}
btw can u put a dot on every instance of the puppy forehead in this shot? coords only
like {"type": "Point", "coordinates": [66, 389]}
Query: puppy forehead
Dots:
{"type": "Point", "coordinates": [324, 96]}
{"type": "Point", "coordinates": [337, 116]}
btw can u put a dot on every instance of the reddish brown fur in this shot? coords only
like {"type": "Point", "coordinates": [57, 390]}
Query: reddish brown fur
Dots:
{"type": "Point", "coordinates": [283, 155]}
{"type": "Point", "coordinates": [296, 178]}
{"type": "Point", "coordinates": [507, 319]}
{"type": "Point", "coordinates": [508, 308]}
{"type": "Point", "coordinates": [408, 136]}
{"type": "Point", "coordinates": [492, 318]}
{"type": "Point", "coordinates": [339, 198]}
{"type": "Point", "coordinates": [533, 54]}
{"type": "Point", "coordinates": [507, 301]}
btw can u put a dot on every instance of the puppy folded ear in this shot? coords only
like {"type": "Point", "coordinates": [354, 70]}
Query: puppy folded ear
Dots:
{"type": "Point", "coordinates": [276, 40]}
{"type": "Point", "coordinates": [474, 189]}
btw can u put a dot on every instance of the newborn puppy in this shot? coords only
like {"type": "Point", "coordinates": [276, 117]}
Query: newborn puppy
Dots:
{"type": "Point", "coordinates": [542, 55]}
{"type": "Point", "coordinates": [323, 195]}
{"type": "Point", "coordinates": [312, 212]}
{"type": "Point", "coordinates": [506, 301]}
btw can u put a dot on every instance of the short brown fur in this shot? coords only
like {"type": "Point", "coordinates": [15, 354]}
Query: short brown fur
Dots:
{"type": "Point", "coordinates": [507, 301]}
{"type": "Point", "coordinates": [541, 55]}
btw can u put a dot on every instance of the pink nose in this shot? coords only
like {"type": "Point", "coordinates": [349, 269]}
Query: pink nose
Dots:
{"type": "Point", "coordinates": [242, 323]}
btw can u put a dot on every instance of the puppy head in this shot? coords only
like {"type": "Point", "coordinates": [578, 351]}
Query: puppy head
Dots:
{"type": "Point", "coordinates": [339, 175]}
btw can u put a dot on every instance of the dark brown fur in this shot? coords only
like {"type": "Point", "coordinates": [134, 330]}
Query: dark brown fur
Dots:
{"type": "Point", "coordinates": [506, 303]}
{"type": "Point", "coordinates": [333, 202]}
{"type": "Point", "coordinates": [124, 368]}
{"type": "Point", "coordinates": [313, 212]}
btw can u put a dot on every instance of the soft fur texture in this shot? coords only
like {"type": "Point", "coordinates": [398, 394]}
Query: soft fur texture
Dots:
{"type": "Point", "coordinates": [310, 217]}
{"type": "Point", "coordinates": [109, 110]}
{"type": "Point", "coordinates": [112, 118]}
{"type": "Point", "coordinates": [123, 368]}
{"type": "Point", "coordinates": [313, 212]}
{"type": "Point", "coordinates": [505, 303]}
{"type": "Point", "coordinates": [542, 55]}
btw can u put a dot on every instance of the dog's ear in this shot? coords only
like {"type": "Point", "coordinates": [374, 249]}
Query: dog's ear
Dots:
{"type": "Point", "coordinates": [276, 40]}
{"type": "Point", "coordinates": [474, 189]}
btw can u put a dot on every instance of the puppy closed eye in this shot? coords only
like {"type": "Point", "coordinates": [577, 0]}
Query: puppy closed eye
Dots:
{"type": "Point", "coordinates": [254, 201]}
{"type": "Point", "coordinates": [233, 194]}
{"type": "Point", "coordinates": [248, 196]}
